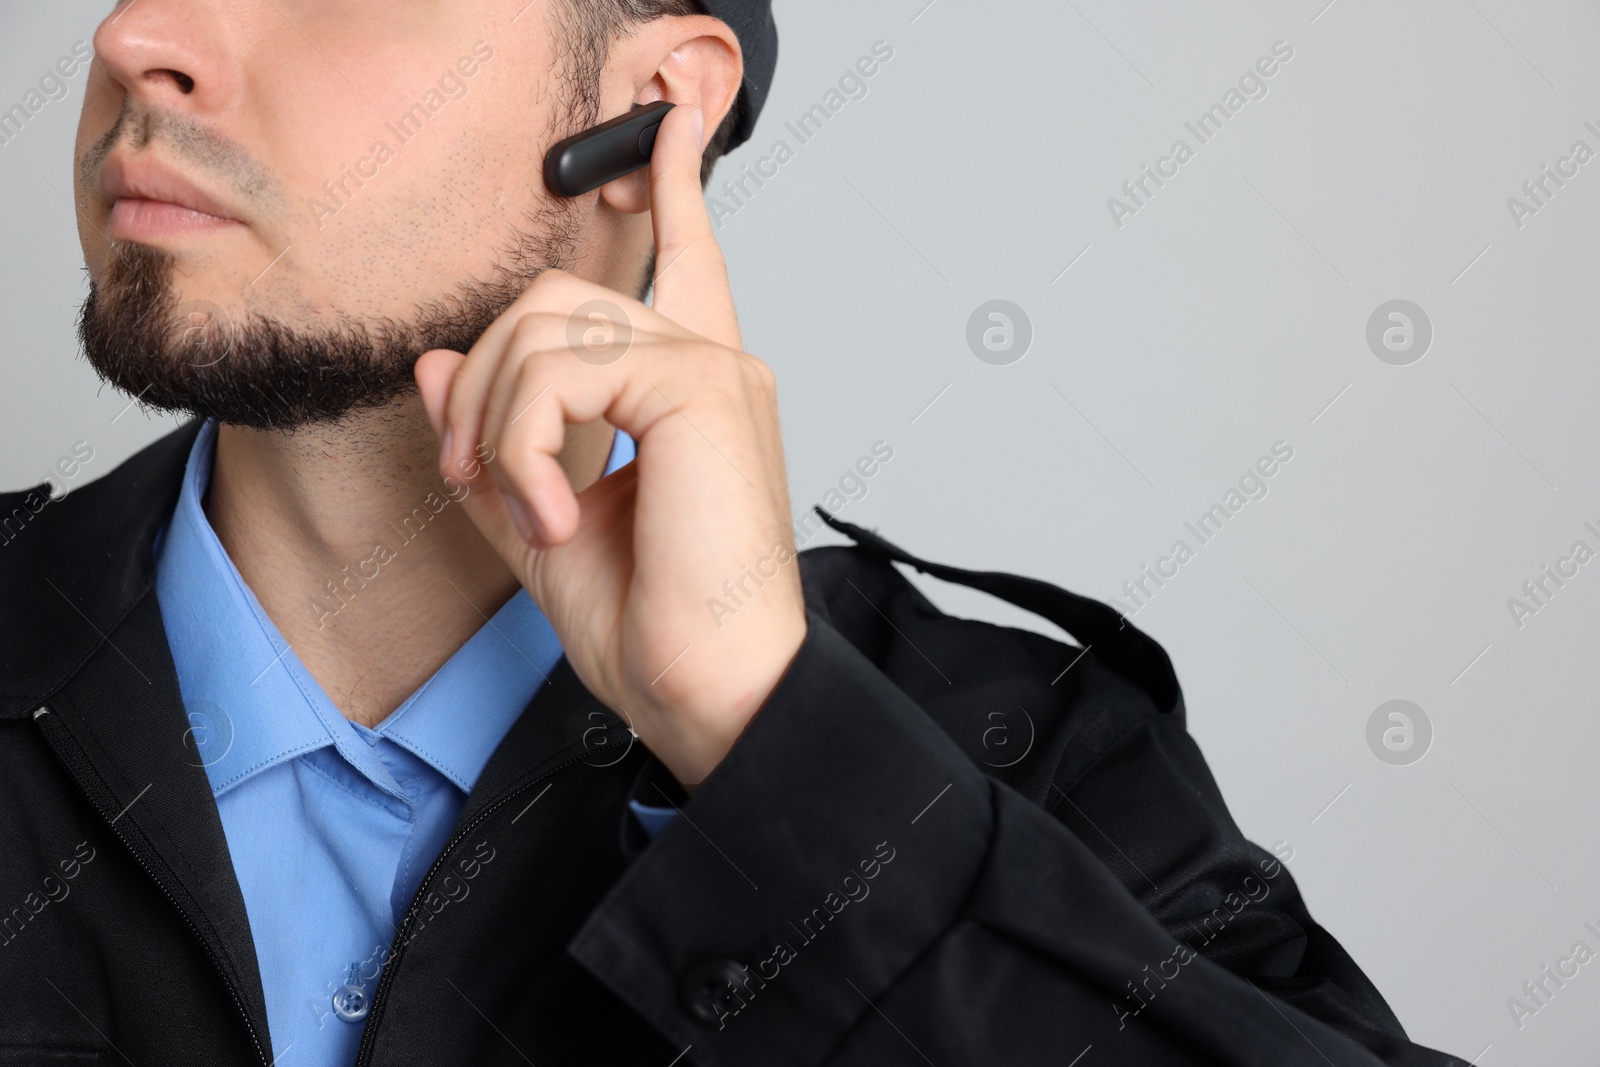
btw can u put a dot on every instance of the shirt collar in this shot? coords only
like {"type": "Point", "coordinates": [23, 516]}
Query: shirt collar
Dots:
{"type": "Point", "coordinates": [252, 704]}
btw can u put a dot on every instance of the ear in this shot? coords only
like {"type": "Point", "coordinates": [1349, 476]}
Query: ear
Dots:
{"type": "Point", "coordinates": [691, 60]}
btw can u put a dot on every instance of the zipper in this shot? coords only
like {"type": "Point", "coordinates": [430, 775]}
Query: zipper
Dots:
{"type": "Point", "coordinates": [83, 772]}
{"type": "Point", "coordinates": [391, 965]}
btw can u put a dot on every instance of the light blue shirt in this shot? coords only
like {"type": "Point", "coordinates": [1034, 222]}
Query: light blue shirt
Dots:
{"type": "Point", "coordinates": [331, 825]}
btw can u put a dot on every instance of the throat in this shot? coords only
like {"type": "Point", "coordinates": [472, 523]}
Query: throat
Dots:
{"type": "Point", "coordinates": [365, 559]}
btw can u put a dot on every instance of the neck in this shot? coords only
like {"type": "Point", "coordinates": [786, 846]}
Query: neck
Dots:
{"type": "Point", "coordinates": [360, 552]}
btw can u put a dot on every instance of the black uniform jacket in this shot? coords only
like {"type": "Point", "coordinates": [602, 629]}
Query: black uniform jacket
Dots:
{"type": "Point", "coordinates": [940, 841]}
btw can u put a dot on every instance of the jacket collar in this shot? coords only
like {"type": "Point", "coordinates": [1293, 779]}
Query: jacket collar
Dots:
{"type": "Point", "coordinates": [78, 566]}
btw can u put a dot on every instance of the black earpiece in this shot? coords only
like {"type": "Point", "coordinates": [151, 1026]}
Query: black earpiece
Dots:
{"type": "Point", "coordinates": [587, 160]}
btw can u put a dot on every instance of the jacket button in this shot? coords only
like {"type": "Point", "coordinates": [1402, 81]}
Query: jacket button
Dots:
{"type": "Point", "coordinates": [351, 1003]}
{"type": "Point", "coordinates": [708, 990]}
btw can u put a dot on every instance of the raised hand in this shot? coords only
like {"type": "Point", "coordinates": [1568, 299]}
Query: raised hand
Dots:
{"type": "Point", "coordinates": [627, 570]}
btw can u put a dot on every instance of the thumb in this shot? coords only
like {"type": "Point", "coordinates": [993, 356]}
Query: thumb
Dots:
{"type": "Point", "coordinates": [435, 371]}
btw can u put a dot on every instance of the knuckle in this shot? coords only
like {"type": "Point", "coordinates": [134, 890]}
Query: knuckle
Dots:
{"type": "Point", "coordinates": [534, 330]}
{"type": "Point", "coordinates": [526, 378]}
{"type": "Point", "coordinates": [757, 371]}
{"type": "Point", "coordinates": [527, 391]}
{"type": "Point", "coordinates": [527, 323]}
{"type": "Point", "coordinates": [761, 369]}
{"type": "Point", "coordinates": [723, 361]}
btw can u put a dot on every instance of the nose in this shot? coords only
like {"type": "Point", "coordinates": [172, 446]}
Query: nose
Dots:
{"type": "Point", "coordinates": [168, 54]}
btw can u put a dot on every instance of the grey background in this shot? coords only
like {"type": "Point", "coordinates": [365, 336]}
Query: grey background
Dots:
{"type": "Point", "coordinates": [1228, 314]}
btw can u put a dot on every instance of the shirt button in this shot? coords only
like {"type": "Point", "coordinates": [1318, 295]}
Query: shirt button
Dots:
{"type": "Point", "coordinates": [351, 1004]}
{"type": "Point", "coordinates": [709, 990]}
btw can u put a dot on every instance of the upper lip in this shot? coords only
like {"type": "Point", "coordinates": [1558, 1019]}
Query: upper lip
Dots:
{"type": "Point", "coordinates": [143, 180]}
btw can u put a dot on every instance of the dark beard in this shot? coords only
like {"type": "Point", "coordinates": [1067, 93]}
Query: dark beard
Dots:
{"type": "Point", "coordinates": [192, 357]}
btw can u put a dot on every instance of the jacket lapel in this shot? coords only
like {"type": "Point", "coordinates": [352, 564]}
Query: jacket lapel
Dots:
{"type": "Point", "coordinates": [563, 722]}
{"type": "Point", "coordinates": [78, 566]}
{"type": "Point", "coordinates": [120, 728]}
{"type": "Point", "coordinates": [86, 657]}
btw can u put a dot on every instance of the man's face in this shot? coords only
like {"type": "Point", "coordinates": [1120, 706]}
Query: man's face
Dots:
{"type": "Point", "coordinates": [367, 182]}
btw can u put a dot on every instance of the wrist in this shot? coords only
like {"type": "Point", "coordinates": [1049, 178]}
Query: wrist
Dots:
{"type": "Point", "coordinates": [691, 741]}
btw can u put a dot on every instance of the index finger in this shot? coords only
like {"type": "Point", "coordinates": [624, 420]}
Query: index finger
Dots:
{"type": "Point", "coordinates": [691, 281]}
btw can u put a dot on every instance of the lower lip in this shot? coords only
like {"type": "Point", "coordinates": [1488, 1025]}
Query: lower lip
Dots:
{"type": "Point", "coordinates": [133, 219]}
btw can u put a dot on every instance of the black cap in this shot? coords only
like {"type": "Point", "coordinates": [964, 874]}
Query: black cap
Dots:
{"type": "Point", "coordinates": [751, 22]}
